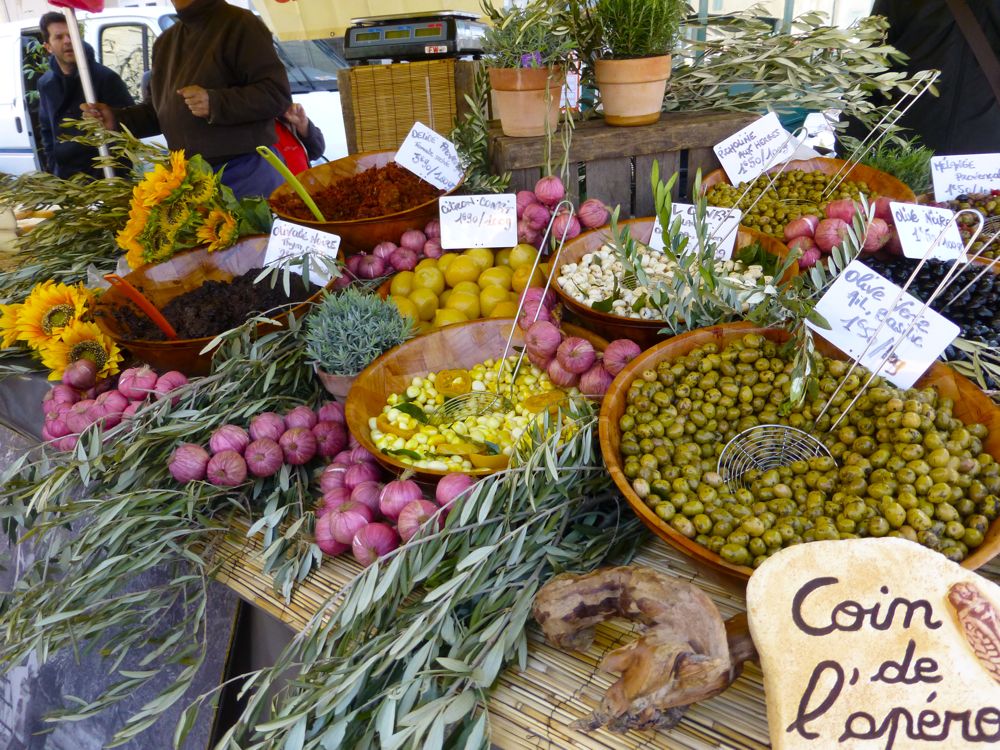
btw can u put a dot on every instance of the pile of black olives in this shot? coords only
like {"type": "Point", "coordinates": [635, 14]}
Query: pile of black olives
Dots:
{"type": "Point", "coordinates": [794, 193]}
{"type": "Point", "coordinates": [989, 205]}
{"type": "Point", "coordinates": [902, 465]}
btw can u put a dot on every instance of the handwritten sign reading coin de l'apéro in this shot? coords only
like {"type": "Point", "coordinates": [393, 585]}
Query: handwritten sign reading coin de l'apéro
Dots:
{"type": "Point", "coordinates": [919, 228]}
{"type": "Point", "coordinates": [960, 175]}
{"type": "Point", "coordinates": [290, 243]}
{"type": "Point", "coordinates": [876, 644]}
{"type": "Point", "coordinates": [478, 220]}
{"type": "Point", "coordinates": [430, 157]}
{"type": "Point", "coordinates": [855, 306]}
{"type": "Point", "coordinates": [760, 145]}
{"type": "Point", "coordinates": [723, 224]}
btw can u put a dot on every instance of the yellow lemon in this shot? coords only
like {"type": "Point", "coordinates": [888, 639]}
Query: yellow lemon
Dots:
{"type": "Point", "coordinates": [401, 284]}
{"type": "Point", "coordinates": [425, 301]}
{"type": "Point", "coordinates": [523, 278]}
{"type": "Point", "coordinates": [483, 257]}
{"type": "Point", "coordinates": [467, 286]}
{"type": "Point", "coordinates": [522, 255]}
{"type": "Point", "coordinates": [446, 316]}
{"type": "Point", "coordinates": [445, 260]}
{"type": "Point", "coordinates": [405, 306]}
{"type": "Point", "coordinates": [466, 302]}
{"type": "Point", "coordinates": [500, 276]}
{"type": "Point", "coordinates": [423, 327]}
{"type": "Point", "coordinates": [505, 309]}
{"type": "Point", "coordinates": [443, 297]}
{"type": "Point", "coordinates": [430, 278]}
{"type": "Point", "coordinates": [502, 258]}
{"type": "Point", "coordinates": [490, 297]}
{"type": "Point", "coordinates": [427, 263]}
{"type": "Point", "coordinates": [463, 268]}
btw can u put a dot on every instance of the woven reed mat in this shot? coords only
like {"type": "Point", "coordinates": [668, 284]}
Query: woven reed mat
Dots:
{"type": "Point", "coordinates": [534, 709]}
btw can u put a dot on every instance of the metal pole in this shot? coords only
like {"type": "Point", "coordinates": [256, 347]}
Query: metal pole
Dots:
{"type": "Point", "coordinates": [84, 69]}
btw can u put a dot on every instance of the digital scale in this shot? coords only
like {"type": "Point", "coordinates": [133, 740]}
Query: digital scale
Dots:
{"type": "Point", "coordinates": [408, 37]}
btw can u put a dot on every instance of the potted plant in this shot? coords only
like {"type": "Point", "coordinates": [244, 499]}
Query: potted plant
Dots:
{"type": "Point", "coordinates": [349, 330]}
{"type": "Point", "coordinates": [524, 59]}
{"type": "Point", "coordinates": [633, 64]}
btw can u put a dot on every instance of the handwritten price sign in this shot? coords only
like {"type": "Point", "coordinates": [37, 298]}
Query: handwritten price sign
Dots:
{"type": "Point", "coordinates": [290, 243]}
{"type": "Point", "coordinates": [920, 226]}
{"type": "Point", "coordinates": [430, 157]}
{"type": "Point", "coordinates": [723, 224]}
{"type": "Point", "coordinates": [957, 175]}
{"type": "Point", "coordinates": [750, 152]}
{"type": "Point", "coordinates": [478, 221]}
{"type": "Point", "coordinates": [855, 306]}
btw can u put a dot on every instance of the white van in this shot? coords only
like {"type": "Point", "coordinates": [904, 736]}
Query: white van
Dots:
{"type": "Point", "coordinates": [123, 39]}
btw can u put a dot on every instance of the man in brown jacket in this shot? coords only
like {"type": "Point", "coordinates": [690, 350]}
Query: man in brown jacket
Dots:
{"type": "Point", "coordinates": [217, 86]}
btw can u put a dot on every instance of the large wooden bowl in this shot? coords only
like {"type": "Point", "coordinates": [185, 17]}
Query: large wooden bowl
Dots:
{"type": "Point", "coordinates": [971, 406]}
{"type": "Point", "coordinates": [186, 271]}
{"type": "Point", "coordinates": [644, 332]}
{"type": "Point", "coordinates": [880, 182]}
{"type": "Point", "coordinates": [358, 235]}
{"type": "Point", "coordinates": [462, 345]}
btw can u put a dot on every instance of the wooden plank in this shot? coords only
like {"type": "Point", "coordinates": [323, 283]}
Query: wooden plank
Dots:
{"type": "Point", "coordinates": [595, 140]}
{"type": "Point", "coordinates": [699, 158]}
{"type": "Point", "coordinates": [523, 179]}
{"type": "Point", "coordinates": [573, 183]}
{"type": "Point", "coordinates": [610, 181]}
{"type": "Point", "coordinates": [347, 105]}
{"type": "Point", "coordinates": [670, 162]}
{"type": "Point", "coordinates": [465, 83]}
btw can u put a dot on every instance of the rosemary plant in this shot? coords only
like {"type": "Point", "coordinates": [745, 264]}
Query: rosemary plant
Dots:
{"type": "Point", "coordinates": [524, 38]}
{"type": "Point", "coordinates": [638, 28]}
{"type": "Point", "coordinates": [904, 158]}
{"type": "Point", "coordinates": [350, 329]}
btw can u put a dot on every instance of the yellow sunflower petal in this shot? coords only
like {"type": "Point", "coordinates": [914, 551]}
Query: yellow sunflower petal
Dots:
{"type": "Point", "coordinates": [48, 308]}
{"type": "Point", "coordinates": [8, 325]}
{"type": "Point", "coordinates": [81, 339]}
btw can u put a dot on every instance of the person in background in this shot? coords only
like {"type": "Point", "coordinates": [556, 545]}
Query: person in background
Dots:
{"type": "Point", "coordinates": [965, 118]}
{"type": "Point", "coordinates": [60, 94]}
{"type": "Point", "coordinates": [217, 87]}
{"type": "Point", "coordinates": [299, 140]}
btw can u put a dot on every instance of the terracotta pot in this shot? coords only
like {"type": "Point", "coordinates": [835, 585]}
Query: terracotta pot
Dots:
{"type": "Point", "coordinates": [521, 100]}
{"type": "Point", "coordinates": [632, 90]}
{"type": "Point", "coordinates": [337, 386]}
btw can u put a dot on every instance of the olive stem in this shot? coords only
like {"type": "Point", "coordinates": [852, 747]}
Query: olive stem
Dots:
{"type": "Point", "coordinates": [271, 158]}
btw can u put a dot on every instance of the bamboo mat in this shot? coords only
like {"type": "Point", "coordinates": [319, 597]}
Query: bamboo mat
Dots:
{"type": "Point", "coordinates": [534, 709]}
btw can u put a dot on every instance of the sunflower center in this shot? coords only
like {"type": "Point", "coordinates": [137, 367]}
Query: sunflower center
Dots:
{"type": "Point", "coordinates": [91, 350]}
{"type": "Point", "coordinates": [57, 317]}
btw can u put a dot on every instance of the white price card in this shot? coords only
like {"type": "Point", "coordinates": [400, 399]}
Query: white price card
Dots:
{"type": "Point", "coordinates": [430, 157]}
{"type": "Point", "coordinates": [920, 226]}
{"type": "Point", "coordinates": [723, 225]}
{"type": "Point", "coordinates": [290, 243]}
{"type": "Point", "coordinates": [958, 175]}
{"type": "Point", "coordinates": [857, 303]}
{"type": "Point", "coordinates": [750, 152]}
{"type": "Point", "coordinates": [478, 220]}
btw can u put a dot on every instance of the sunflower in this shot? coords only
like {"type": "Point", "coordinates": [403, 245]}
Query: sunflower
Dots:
{"type": "Point", "coordinates": [128, 237]}
{"type": "Point", "coordinates": [173, 217]}
{"type": "Point", "coordinates": [218, 231]}
{"type": "Point", "coordinates": [81, 340]}
{"type": "Point", "coordinates": [159, 184]}
{"type": "Point", "coordinates": [48, 308]}
{"type": "Point", "coordinates": [203, 186]}
{"type": "Point", "coordinates": [8, 325]}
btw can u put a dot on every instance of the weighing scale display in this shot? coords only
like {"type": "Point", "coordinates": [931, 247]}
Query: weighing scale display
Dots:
{"type": "Point", "coordinates": [398, 34]}
{"type": "Point", "coordinates": [427, 32]}
{"type": "Point", "coordinates": [369, 36]}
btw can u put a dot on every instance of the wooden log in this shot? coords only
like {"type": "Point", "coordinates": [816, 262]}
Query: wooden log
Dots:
{"type": "Point", "coordinates": [610, 180]}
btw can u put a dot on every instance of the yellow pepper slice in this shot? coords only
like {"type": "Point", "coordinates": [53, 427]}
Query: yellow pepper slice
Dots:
{"type": "Point", "coordinates": [541, 401]}
{"type": "Point", "coordinates": [384, 425]}
{"type": "Point", "coordinates": [496, 462]}
{"type": "Point", "coordinates": [453, 382]}
{"type": "Point", "coordinates": [457, 449]}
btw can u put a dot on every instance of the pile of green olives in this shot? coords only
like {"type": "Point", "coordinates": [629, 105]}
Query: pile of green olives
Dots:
{"type": "Point", "coordinates": [794, 193]}
{"type": "Point", "coordinates": [902, 465]}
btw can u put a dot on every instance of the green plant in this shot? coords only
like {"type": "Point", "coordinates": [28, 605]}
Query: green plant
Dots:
{"type": "Point", "coordinates": [906, 159]}
{"type": "Point", "coordinates": [36, 64]}
{"type": "Point", "coordinates": [637, 28]}
{"type": "Point", "coordinates": [524, 38]}
{"type": "Point", "coordinates": [350, 329]}
{"type": "Point", "coordinates": [471, 137]}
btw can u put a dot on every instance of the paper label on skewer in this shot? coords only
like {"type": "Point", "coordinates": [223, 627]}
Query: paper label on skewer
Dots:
{"type": "Point", "coordinates": [919, 227]}
{"type": "Point", "coordinates": [855, 306]}
{"type": "Point", "coordinates": [478, 221]}
{"type": "Point", "coordinates": [958, 175]}
{"type": "Point", "coordinates": [750, 152]}
{"type": "Point", "coordinates": [723, 224]}
{"type": "Point", "coordinates": [291, 244]}
{"type": "Point", "coordinates": [431, 157]}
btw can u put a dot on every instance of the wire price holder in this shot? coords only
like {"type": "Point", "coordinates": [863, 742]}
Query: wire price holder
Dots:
{"type": "Point", "coordinates": [477, 403]}
{"type": "Point", "coordinates": [774, 445]}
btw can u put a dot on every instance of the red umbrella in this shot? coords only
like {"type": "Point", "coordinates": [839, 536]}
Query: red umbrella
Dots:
{"type": "Point", "coordinates": [93, 6]}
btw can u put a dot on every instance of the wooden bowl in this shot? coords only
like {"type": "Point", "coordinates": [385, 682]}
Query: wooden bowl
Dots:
{"type": "Point", "coordinates": [971, 406]}
{"type": "Point", "coordinates": [358, 235]}
{"type": "Point", "coordinates": [881, 183]}
{"type": "Point", "coordinates": [645, 333]}
{"type": "Point", "coordinates": [462, 345]}
{"type": "Point", "coordinates": [161, 282]}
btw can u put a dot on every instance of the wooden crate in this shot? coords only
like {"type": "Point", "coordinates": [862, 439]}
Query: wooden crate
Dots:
{"type": "Point", "coordinates": [381, 102]}
{"type": "Point", "coordinates": [614, 164]}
